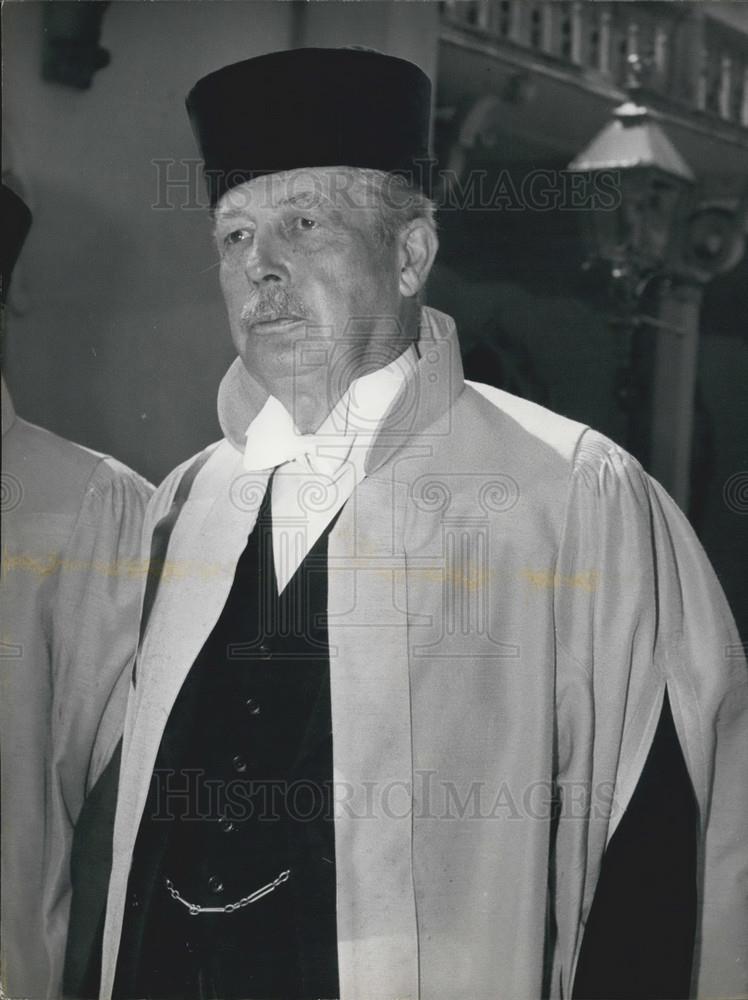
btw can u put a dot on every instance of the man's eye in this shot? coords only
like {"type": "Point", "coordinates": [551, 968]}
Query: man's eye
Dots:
{"type": "Point", "coordinates": [237, 236]}
{"type": "Point", "coordinates": [306, 224]}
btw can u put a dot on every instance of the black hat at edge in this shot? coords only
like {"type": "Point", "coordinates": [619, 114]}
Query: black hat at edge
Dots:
{"type": "Point", "coordinates": [311, 108]}
{"type": "Point", "coordinates": [16, 223]}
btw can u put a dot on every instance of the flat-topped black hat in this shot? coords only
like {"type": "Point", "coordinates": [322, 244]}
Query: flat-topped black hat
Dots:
{"type": "Point", "coordinates": [16, 222]}
{"type": "Point", "coordinates": [311, 108]}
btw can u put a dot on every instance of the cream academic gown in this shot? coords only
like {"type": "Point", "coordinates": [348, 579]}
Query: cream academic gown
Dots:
{"type": "Point", "coordinates": [509, 598]}
{"type": "Point", "coordinates": [70, 591]}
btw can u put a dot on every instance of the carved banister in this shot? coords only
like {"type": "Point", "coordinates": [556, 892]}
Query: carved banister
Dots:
{"type": "Point", "coordinates": [695, 60]}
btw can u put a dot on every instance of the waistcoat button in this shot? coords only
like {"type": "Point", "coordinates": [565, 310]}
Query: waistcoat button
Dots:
{"type": "Point", "coordinates": [252, 705]}
{"type": "Point", "coordinates": [215, 884]}
{"type": "Point", "coordinates": [240, 764]}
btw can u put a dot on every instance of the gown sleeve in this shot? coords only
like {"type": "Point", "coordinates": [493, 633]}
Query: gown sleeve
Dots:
{"type": "Point", "coordinates": [638, 939]}
{"type": "Point", "coordinates": [92, 635]}
{"type": "Point", "coordinates": [640, 614]}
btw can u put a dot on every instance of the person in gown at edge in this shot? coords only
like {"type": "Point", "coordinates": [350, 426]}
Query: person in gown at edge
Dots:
{"type": "Point", "coordinates": [451, 703]}
{"type": "Point", "coordinates": [71, 584]}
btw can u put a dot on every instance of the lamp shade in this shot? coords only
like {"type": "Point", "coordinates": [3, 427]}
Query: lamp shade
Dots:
{"type": "Point", "coordinates": [649, 178]}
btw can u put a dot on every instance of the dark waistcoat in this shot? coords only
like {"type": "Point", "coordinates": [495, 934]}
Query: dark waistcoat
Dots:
{"type": "Point", "coordinates": [241, 794]}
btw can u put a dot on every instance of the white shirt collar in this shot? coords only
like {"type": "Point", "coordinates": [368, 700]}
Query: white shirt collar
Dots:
{"type": "Point", "coordinates": [345, 434]}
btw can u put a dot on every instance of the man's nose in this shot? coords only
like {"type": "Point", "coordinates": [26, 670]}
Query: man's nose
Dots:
{"type": "Point", "coordinates": [265, 261]}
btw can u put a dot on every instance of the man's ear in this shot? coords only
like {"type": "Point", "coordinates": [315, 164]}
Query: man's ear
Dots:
{"type": "Point", "coordinates": [418, 244]}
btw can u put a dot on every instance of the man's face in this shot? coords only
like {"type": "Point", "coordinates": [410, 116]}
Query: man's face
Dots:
{"type": "Point", "coordinates": [304, 270]}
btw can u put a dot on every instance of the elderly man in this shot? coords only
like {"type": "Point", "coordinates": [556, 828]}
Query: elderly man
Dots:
{"type": "Point", "coordinates": [397, 689]}
{"type": "Point", "coordinates": [70, 593]}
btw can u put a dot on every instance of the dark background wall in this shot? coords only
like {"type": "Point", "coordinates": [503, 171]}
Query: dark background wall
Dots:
{"type": "Point", "coordinates": [116, 335]}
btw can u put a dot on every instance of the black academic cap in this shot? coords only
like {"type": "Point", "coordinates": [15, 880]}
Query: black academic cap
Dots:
{"type": "Point", "coordinates": [16, 219]}
{"type": "Point", "coordinates": [312, 108]}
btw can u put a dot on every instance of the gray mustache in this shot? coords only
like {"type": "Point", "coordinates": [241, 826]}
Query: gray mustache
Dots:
{"type": "Point", "coordinates": [272, 303]}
